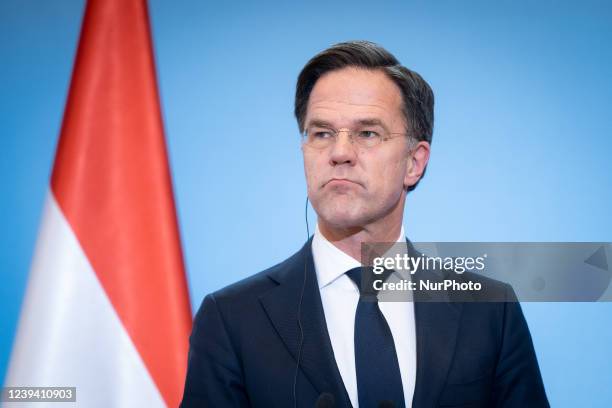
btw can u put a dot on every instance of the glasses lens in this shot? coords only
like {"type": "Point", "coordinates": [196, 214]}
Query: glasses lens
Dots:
{"type": "Point", "coordinates": [319, 137]}
{"type": "Point", "coordinates": [367, 138]}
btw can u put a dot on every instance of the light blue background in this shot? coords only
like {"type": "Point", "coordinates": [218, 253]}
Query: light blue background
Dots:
{"type": "Point", "coordinates": [521, 147]}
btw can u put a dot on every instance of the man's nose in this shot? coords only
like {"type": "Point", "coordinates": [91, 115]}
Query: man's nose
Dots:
{"type": "Point", "coordinates": [343, 149]}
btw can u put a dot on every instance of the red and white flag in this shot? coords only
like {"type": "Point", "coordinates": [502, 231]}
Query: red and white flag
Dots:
{"type": "Point", "coordinates": [106, 308]}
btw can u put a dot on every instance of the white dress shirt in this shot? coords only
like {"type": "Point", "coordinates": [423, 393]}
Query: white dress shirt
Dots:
{"type": "Point", "coordinates": [340, 295]}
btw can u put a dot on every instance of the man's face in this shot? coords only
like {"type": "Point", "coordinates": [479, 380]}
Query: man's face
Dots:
{"type": "Point", "coordinates": [349, 185]}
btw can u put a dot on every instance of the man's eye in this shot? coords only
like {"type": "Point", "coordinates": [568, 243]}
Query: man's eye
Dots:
{"type": "Point", "coordinates": [368, 134]}
{"type": "Point", "coordinates": [322, 135]}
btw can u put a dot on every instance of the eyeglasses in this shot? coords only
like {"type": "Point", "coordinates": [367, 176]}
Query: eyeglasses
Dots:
{"type": "Point", "coordinates": [322, 137]}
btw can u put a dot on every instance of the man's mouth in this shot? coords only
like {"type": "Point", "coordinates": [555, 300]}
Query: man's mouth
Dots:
{"type": "Point", "coordinates": [340, 182]}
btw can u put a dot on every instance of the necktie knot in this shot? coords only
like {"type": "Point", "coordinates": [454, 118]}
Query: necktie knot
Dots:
{"type": "Point", "coordinates": [364, 278]}
{"type": "Point", "coordinates": [355, 275]}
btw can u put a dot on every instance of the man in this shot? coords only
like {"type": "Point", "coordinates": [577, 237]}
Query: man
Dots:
{"type": "Point", "coordinates": [301, 333]}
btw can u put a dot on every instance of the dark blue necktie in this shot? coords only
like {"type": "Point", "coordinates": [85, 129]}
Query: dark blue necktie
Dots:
{"type": "Point", "coordinates": [378, 373]}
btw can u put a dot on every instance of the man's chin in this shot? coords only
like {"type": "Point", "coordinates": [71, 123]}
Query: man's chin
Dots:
{"type": "Point", "coordinates": [342, 220]}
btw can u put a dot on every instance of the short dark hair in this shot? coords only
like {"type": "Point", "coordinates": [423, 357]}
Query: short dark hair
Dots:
{"type": "Point", "coordinates": [418, 98]}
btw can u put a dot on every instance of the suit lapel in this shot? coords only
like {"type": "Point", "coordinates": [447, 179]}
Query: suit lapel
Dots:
{"type": "Point", "coordinates": [436, 330]}
{"type": "Point", "coordinates": [317, 360]}
{"type": "Point", "coordinates": [437, 322]}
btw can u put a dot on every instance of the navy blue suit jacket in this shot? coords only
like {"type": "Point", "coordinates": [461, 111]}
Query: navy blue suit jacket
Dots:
{"type": "Point", "coordinates": [245, 343]}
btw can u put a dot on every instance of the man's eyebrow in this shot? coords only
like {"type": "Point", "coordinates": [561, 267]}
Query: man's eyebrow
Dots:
{"type": "Point", "coordinates": [370, 122]}
{"type": "Point", "coordinates": [319, 123]}
{"type": "Point", "coordinates": [359, 122]}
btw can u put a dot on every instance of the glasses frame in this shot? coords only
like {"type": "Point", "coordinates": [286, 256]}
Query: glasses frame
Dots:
{"type": "Point", "coordinates": [352, 134]}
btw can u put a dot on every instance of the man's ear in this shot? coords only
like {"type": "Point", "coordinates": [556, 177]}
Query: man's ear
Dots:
{"type": "Point", "coordinates": [417, 161]}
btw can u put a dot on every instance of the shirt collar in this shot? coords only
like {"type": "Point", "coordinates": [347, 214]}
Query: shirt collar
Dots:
{"type": "Point", "coordinates": [330, 262]}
